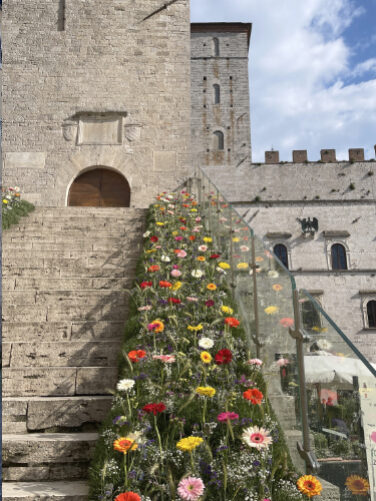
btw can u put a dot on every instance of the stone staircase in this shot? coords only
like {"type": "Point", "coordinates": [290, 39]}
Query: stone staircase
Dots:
{"type": "Point", "coordinates": [64, 309]}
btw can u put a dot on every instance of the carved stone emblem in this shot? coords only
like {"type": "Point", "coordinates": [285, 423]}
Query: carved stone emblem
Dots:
{"type": "Point", "coordinates": [69, 130]}
{"type": "Point", "coordinates": [133, 132]}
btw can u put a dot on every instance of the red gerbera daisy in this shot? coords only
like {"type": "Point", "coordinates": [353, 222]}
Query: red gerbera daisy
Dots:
{"type": "Point", "coordinates": [215, 256]}
{"type": "Point", "coordinates": [154, 267]}
{"type": "Point", "coordinates": [174, 300]}
{"type": "Point", "coordinates": [154, 239]}
{"type": "Point", "coordinates": [128, 496]}
{"type": "Point", "coordinates": [143, 285]}
{"type": "Point", "coordinates": [232, 322]}
{"type": "Point", "coordinates": [165, 284]}
{"type": "Point", "coordinates": [154, 408]}
{"type": "Point", "coordinates": [223, 357]}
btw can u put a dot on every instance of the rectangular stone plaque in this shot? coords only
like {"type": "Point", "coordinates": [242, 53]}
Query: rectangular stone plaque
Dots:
{"type": "Point", "coordinates": [23, 159]}
{"type": "Point", "coordinates": [100, 130]}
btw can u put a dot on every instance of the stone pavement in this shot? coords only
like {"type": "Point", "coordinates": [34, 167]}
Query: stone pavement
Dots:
{"type": "Point", "coordinates": [65, 271]}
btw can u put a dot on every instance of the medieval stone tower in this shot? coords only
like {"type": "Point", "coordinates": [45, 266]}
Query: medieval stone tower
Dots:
{"type": "Point", "coordinates": [220, 94]}
{"type": "Point", "coordinates": [95, 86]}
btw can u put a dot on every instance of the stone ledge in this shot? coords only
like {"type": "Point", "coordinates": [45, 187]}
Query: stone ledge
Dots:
{"type": "Point", "coordinates": [31, 491]}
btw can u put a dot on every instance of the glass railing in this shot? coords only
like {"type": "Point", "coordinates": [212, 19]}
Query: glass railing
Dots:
{"type": "Point", "coordinates": [321, 387]}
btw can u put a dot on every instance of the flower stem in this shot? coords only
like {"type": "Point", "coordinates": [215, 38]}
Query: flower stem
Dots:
{"type": "Point", "coordinates": [158, 434]}
{"type": "Point", "coordinates": [125, 472]}
{"type": "Point", "coordinates": [204, 410]}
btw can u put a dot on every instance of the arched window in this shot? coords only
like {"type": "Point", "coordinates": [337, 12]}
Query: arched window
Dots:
{"type": "Point", "coordinates": [216, 47]}
{"type": "Point", "coordinates": [339, 261]}
{"type": "Point", "coordinates": [219, 140]}
{"type": "Point", "coordinates": [371, 313]}
{"type": "Point", "coordinates": [280, 251]}
{"type": "Point", "coordinates": [217, 93]}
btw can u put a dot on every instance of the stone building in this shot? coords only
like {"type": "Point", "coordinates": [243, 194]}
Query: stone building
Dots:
{"type": "Point", "coordinates": [95, 85]}
{"type": "Point", "coordinates": [337, 262]}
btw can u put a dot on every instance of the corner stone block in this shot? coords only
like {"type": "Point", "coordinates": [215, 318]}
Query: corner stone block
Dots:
{"type": "Point", "coordinates": [328, 156]}
{"type": "Point", "coordinates": [299, 156]}
{"type": "Point", "coordinates": [271, 157]}
{"type": "Point", "coordinates": [356, 154]}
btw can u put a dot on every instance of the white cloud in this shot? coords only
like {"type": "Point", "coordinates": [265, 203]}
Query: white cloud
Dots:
{"type": "Point", "coordinates": [299, 61]}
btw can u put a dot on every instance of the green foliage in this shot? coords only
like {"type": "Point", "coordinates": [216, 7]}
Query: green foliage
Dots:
{"type": "Point", "coordinates": [13, 214]}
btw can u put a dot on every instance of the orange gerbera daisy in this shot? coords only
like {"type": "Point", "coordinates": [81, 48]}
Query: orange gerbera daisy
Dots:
{"type": "Point", "coordinates": [200, 258]}
{"type": "Point", "coordinates": [211, 287]}
{"type": "Point", "coordinates": [136, 355]}
{"type": "Point", "coordinates": [128, 496]}
{"type": "Point", "coordinates": [124, 444]}
{"type": "Point", "coordinates": [254, 395]}
{"type": "Point", "coordinates": [309, 485]}
{"type": "Point", "coordinates": [357, 485]}
{"type": "Point", "coordinates": [232, 322]}
{"type": "Point", "coordinates": [154, 267]}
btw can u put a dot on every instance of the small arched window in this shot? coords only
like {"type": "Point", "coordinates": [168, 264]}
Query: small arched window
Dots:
{"type": "Point", "coordinates": [371, 313]}
{"type": "Point", "coordinates": [216, 47]}
{"type": "Point", "coordinates": [280, 251]}
{"type": "Point", "coordinates": [219, 140]}
{"type": "Point", "coordinates": [339, 260]}
{"type": "Point", "coordinates": [217, 93]}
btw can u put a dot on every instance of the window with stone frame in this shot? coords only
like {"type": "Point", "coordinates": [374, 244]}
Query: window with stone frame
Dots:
{"type": "Point", "coordinates": [311, 317]}
{"type": "Point", "coordinates": [368, 309]}
{"type": "Point", "coordinates": [338, 257]}
{"type": "Point", "coordinates": [217, 94]}
{"type": "Point", "coordinates": [219, 140]}
{"type": "Point", "coordinates": [216, 51]}
{"type": "Point", "coordinates": [280, 250]}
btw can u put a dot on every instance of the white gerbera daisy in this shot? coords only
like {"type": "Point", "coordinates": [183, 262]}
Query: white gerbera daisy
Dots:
{"type": "Point", "coordinates": [206, 343]}
{"type": "Point", "coordinates": [125, 384]}
{"type": "Point", "coordinates": [197, 273]}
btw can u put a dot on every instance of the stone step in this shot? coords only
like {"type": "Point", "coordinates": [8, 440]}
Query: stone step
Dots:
{"type": "Point", "coordinates": [73, 471]}
{"type": "Point", "coordinates": [45, 491]}
{"type": "Point", "coordinates": [58, 381]}
{"type": "Point", "coordinates": [66, 284]}
{"type": "Point", "coordinates": [64, 311]}
{"type": "Point", "coordinates": [122, 251]}
{"type": "Point", "coordinates": [42, 413]}
{"type": "Point", "coordinates": [62, 331]}
{"type": "Point", "coordinates": [37, 448]}
{"type": "Point", "coordinates": [66, 297]}
{"type": "Point", "coordinates": [85, 261]}
{"type": "Point", "coordinates": [87, 233]}
{"type": "Point", "coordinates": [61, 354]}
{"type": "Point", "coordinates": [71, 271]}
{"type": "Point", "coordinates": [59, 243]}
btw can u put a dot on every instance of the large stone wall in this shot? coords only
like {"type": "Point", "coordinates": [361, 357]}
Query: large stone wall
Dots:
{"type": "Point", "coordinates": [231, 115]}
{"type": "Point", "coordinates": [274, 197]}
{"type": "Point", "coordinates": [102, 87]}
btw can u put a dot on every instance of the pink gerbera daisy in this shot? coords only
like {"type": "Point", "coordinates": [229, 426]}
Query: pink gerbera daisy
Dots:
{"type": "Point", "coordinates": [224, 416]}
{"type": "Point", "coordinates": [191, 488]}
{"type": "Point", "coordinates": [257, 437]}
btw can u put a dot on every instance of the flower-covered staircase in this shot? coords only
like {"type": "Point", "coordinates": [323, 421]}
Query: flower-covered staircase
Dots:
{"type": "Point", "coordinates": [65, 275]}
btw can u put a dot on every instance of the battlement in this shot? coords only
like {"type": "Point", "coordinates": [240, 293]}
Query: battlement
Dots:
{"type": "Point", "coordinates": [327, 156]}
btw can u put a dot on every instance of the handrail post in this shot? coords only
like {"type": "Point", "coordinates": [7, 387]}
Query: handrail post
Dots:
{"type": "Point", "coordinates": [256, 337]}
{"type": "Point", "coordinates": [305, 451]}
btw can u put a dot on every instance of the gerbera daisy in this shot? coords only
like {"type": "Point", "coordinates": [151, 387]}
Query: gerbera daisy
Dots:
{"type": "Point", "coordinates": [125, 384]}
{"type": "Point", "coordinates": [136, 355]}
{"type": "Point", "coordinates": [223, 357]}
{"type": "Point", "coordinates": [357, 485]}
{"type": "Point", "coordinates": [188, 444]}
{"type": "Point", "coordinates": [206, 357]}
{"type": "Point", "coordinates": [156, 326]}
{"type": "Point", "coordinates": [257, 437]}
{"type": "Point", "coordinates": [128, 496]}
{"type": "Point", "coordinates": [211, 287]}
{"type": "Point", "coordinates": [232, 322]}
{"type": "Point", "coordinates": [224, 416]}
{"type": "Point", "coordinates": [206, 391]}
{"type": "Point", "coordinates": [125, 444]}
{"type": "Point", "coordinates": [270, 310]}
{"type": "Point", "coordinates": [254, 395]}
{"type": "Point", "coordinates": [191, 488]}
{"type": "Point", "coordinates": [309, 485]}
{"type": "Point", "coordinates": [227, 310]}
{"type": "Point", "coordinates": [206, 343]}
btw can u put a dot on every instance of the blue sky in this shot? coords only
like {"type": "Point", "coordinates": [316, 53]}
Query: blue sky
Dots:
{"type": "Point", "coordinates": [312, 72]}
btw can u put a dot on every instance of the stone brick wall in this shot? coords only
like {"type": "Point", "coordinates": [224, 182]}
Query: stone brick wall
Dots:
{"type": "Point", "coordinates": [231, 116]}
{"type": "Point", "coordinates": [275, 197]}
{"type": "Point", "coordinates": [111, 89]}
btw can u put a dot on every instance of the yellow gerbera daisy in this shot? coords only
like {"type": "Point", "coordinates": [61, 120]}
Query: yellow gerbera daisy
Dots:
{"type": "Point", "coordinates": [357, 485]}
{"type": "Point", "coordinates": [206, 357]}
{"type": "Point", "coordinates": [227, 310]}
{"type": "Point", "coordinates": [242, 266]}
{"type": "Point", "coordinates": [159, 223]}
{"type": "Point", "coordinates": [206, 391]}
{"type": "Point", "coordinates": [309, 485]}
{"type": "Point", "coordinates": [207, 240]}
{"type": "Point", "coordinates": [195, 328]}
{"type": "Point", "coordinates": [270, 310]}
{"type": "Point", "coordinates": [188, 444]}
{"type": "Point", "coordinates": [176, 286]}
{"type": "Point", "coordinates": [224, 266]}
